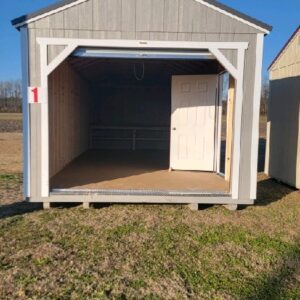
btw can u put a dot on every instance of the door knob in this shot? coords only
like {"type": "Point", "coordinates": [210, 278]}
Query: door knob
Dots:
{"type": "Point", "coordinates": [174, 128]}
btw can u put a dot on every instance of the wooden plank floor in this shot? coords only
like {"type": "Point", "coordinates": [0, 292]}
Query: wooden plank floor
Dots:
{"type": "Point", "coordinates": [127, 170]}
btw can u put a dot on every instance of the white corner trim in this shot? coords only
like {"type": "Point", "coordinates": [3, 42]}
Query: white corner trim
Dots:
{"type": "Point", "coordinates": [25, 112]}
{"type": "Point", "coordinates": [233, 16]}
{"type": "Point", "coordinates": [44, 123]}
{"type": "Point", "coordinates": [49, 13]}
{"type": "Point", "coordinates": [267, 151]}
{"type": "Point", "coordinates": [256, 113]}
{"type": "Point", "coordinates": [238, 105]}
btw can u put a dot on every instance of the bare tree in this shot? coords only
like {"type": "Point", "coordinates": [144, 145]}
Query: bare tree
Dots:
{"type": "Point", "coordinates": [265, 92]}
{"type": "Point", "coordinates": [10, 96]}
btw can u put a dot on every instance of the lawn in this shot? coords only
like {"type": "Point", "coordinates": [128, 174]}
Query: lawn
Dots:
{"type": "Point", "coordinates": [148, 251]}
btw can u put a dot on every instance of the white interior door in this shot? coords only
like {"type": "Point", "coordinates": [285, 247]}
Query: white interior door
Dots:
{"type": "Point", "coordinates": [193, 122]}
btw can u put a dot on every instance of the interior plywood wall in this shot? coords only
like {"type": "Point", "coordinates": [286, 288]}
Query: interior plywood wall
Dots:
{"type": "Point", "coordinates": [69, 105]}
{"type": "Point", "coordinates": [132, 105]}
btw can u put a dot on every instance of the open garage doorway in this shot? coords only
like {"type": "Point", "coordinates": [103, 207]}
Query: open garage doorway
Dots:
{"type": "Point", "coordinates": [135, 122]}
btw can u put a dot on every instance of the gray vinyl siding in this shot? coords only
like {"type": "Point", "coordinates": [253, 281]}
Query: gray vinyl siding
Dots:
{"type": "Point", "coordinates": [169, 20]}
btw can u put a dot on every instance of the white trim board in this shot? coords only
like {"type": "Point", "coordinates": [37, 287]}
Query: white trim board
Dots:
{"type": "Point", "coordinates": [45, 122]}
{"type": "Point", "coordinates": [255, 122]}
{"type": "Point", "coordinates": [203, 2]}
{"type": "Point", "coordinates": [238, 106]}
{"type": "Point", "coordinates": [72, 44]}
{"type": "Point", "coordinates": [141, 44]}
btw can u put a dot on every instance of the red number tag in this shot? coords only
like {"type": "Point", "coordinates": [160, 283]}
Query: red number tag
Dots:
{"type": "Point", "coordinates": [35, 92]}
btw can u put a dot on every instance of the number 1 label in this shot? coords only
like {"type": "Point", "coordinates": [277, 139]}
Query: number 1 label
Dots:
{"type": "Point", "coordinates": [35, 92]}
{"type": "Point", "coordinates": [34, 95]}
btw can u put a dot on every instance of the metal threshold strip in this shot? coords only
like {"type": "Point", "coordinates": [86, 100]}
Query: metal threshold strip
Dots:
{"type": "Point", "coordinates": [139, 192]}
{"type": "Point", "coordinates": [143, 54]}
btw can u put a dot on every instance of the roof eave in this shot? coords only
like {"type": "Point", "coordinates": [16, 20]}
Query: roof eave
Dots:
{"type": "Point", "coordinates": [25, 19]}
{"type": "Point", "coordinates": [264, 26]}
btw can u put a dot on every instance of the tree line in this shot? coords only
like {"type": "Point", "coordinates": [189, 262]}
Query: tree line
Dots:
{"type": "Point", "coordinates": [265, 93]}
{"type": "Point", "coordinates": [11, 96]}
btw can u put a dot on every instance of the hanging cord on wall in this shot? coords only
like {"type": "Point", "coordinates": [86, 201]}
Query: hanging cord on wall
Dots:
{"type": "Point", "coordinates": [139, 78]}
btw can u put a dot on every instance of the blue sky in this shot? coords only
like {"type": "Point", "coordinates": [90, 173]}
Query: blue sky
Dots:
{"type": "Point", "coordinates": [284, 16]}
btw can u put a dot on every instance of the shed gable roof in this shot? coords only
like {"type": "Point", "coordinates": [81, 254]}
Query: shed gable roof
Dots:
{"type": "Point", "coordinates": [65, 4]}
{"type": "Point", "coordinates": [285, 47]}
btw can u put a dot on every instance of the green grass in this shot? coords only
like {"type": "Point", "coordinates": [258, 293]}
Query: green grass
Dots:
{"type": "Point", "coordinates": [153, 252]}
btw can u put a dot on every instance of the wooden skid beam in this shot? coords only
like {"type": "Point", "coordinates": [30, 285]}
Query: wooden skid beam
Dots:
{"type": "Point", "coordinates": [86, 205]}
{"type": "Point", "coordinates": [46, 205]}
{"type": "Point", "coordinates": [231, 207]}
{"type": "Point", "coordinates": [194, 206]}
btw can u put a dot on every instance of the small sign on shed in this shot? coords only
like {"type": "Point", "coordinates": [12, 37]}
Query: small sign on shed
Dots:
{"type": "Point", "coordinates": [34, 94]}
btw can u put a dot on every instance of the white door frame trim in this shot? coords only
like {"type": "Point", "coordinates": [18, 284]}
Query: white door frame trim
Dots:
{"type": "Point", "coordinates": [72, 44]}
{"type": "Point", "coordinates": [218, 120]}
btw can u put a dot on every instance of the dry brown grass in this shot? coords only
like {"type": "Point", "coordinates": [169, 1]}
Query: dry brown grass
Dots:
{"type": "Point", "coordinates": [10, 122]}
{"type": "Point", "coordinates": [11, 116]}
{"type": "Point", "coordinates": [10, 152]}
{"type": "Point", "coordinates": [148, 251]}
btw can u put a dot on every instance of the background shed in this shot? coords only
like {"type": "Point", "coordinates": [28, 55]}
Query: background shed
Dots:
{"type": "Point", "coordinates": [283, 139]}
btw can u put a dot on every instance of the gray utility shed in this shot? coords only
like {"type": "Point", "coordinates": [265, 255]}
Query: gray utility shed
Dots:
{"type": "Point", "coordinates": [122, 102]}
{"type": "Point", "coordinates": [283, 139]}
